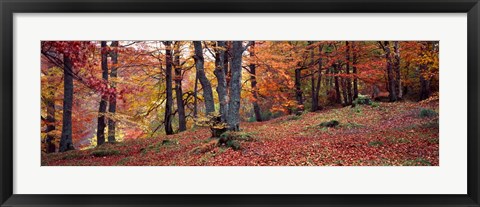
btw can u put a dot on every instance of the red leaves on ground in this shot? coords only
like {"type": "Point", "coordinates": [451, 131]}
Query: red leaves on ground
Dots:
{"type": "Point", "coordinates": [392, 134]}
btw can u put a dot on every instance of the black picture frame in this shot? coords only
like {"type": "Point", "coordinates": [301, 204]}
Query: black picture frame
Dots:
{"type": "Point", "coordinates": [9, 7]}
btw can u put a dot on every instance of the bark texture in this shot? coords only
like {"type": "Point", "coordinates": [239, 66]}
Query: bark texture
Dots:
{"type": "Point", "coordinates": [390, 74]}
{"type": "Point", "coordinates": [103, 102]}
{"type": "Point", "coordinates": [298, 87]}
{"type": "Point", "coordinates": [220, 73]}
{"type": "Point", "coordinates": [182, 123]}
{"type": "Point", "coordinates": [355, 77]}
{"type": "Point", "coordinates": [233, 118]}
{"type": "Point", "coordinates": [396, 66]}
{"type": "Point", "coordinates": [253, 81]}
{"type": "Point", "coordinates": [316, 80]}
{"type": "Point", "coordinates": [112, 106]}
{"type": "Point", "coordinates": [207, 87]}
{"type": "Point", "coordinates": [66, 142]}
{"type": "Point", "coordinates": [337, 85]}
{"type": "Point", "coordinates": [168, 86]}
{"type": "Point", "coordinates": [348, 79]}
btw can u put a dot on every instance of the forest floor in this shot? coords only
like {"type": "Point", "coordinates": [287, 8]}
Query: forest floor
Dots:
{"type": "Point", "coordinates": [401, 134]}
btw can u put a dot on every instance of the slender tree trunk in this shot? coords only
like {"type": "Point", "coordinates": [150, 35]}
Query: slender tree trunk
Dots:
{"type": "Point", "coordinates": [337, 85]}
{"type": "Point", "coordinates": [312, 79]}
{"type": "Point", "coordinates": [355, 78]}
{"type": "Point", "coordinates": [348, 79]}
{"type": "Point", "coordinates": [328, 81]}
{"type": "Point", "coordinates": [50, 102]}
{"type": "Point", "coordinates": [112, 106]}
{"type": "Point", "coordinates": [195, 97]}
{"type": "Point", "coordinates": [331, 79]}
{"type": "Point", "coordinates": [405, 88]}
{"type": "Point", "coordinates": [168, 86]}
{"type": "Point", "coordinates": [344, 91]}
{"type": "Point", "coordinates": [104, 98]}
{"type": "Point", "coordinates": [221, 79]}
{"type": "Point", "coordinates": [66, 142]}
{"type": "Point", "coordinates": [315, 80]}
{"type": "Point", "coordinates": [182, 123]}
{"type": "Point", "coordinates": [390, 76]}
{"type": "Point", "coordinates": [253, 81]}
{"type": "Point", "coordinates": [319, 80]}
{"type": "Point", "coordinates": [233, 118]}
{"type": "Point", "coordinates": [298, 87]}
{"type": "Point", "coordinates": [207, 88]}
{"type": "Point", "coordinates": [398, 79]}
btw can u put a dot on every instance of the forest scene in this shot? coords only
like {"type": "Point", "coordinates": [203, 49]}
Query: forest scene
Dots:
{"type": "Point", "coordinates": [239, 103]}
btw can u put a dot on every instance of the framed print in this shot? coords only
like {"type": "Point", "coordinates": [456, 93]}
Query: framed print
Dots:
{"type": "Point", "coordinates": [265, 103]}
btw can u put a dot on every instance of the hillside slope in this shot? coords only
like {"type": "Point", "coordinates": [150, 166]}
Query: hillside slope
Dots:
{"type": "Point", "coordinates": [403, 133]}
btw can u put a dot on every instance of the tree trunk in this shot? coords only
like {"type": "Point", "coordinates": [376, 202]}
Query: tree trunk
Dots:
{"type": "Point", "coordinates": [66, 142]}
{"type": "Point", "coordinates": [207, 88]}
{"type": "Point", "coordinates": [344, 91]}
{"type": "Point", "coordinates": [390, 76]}
{"type": "Point", "coordinates": [221, 79]}
{"type": "Point", "coordinates": [233, 118]}
{"type": "Point", "coordinates": [104, 98]}
{"type": "Point", "coordinates": [168, 86]}
{"type": "Point", "coordinates": [331, 79]}
{"type": "Point", "coordinates": [355, 78]}
{"type": "Point", "coordinates": [312, 78]}
{"type": "Point", "coordinates": [253, 81]}
{"type": "Point", "coordinates": [348, 79]}
{"type": "Point", "coordinates": [298, 87]}
{"type": "Point", "coordinates": [182, 123]}
{"type": "Point", "coordinates": [328, 81]}
{"type": "Point", "coordinates": [315, 80]}
{"type": "Point", "coordinates": [195, 97]}
{"type": "Point", "coordinates": [319, 80]}
{"type": "Point", "coordinates": [112, 106]}
{"type": "Point", "coordinates": [50, 102]}
{"type": "Point", "coordinates": [337, 85]}
{"type": "Point", "coordinates": [398, 79]}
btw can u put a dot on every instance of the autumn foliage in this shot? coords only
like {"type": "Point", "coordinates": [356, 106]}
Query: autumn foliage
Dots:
{"type": "Point", "coordinates": [240, 102]}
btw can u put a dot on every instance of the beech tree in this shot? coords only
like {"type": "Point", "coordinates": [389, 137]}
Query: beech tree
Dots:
{"type": "Point", "coordinates": [68, 56]}
{"type": "Point", "coordinates": [206, 86]}
{"type": "Point", "coordinates": [146, 84]}
{"type": "Point", "coordinates": [389, 68]}
{"type": "Point", "coordinates": [347, 70]}
{"type": "Point", "coordinates": [337, 83]}
{"type": "Point", "coordinates": [316, 80]}
{"type": "Point", "coordinates": [396, 66]}
{"type": "Point", "coordinates": [354, 66]}
{"type": "Point", "coordinates": [221, 73]}
{"type": "Point", "coordinates": [253, 81]}
{"type": "Point", "coordinates": [103, 100]}
{"type": "Point", "coordinates": [112, 106]}
{"type": "Point", "coordinates": [233, 118]}
{"type": "Point", "coordinates": [298, 87]}
{"type": "Point", "coordinates": [168, 86]}
{"type": "Point", "coordinates": [182, 123]}
{"type": "Point", "coordinates": [66, 142]}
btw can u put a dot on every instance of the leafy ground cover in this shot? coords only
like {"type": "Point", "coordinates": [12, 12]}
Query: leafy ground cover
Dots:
{"type": "Point", "coordinates": [385, 134]}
